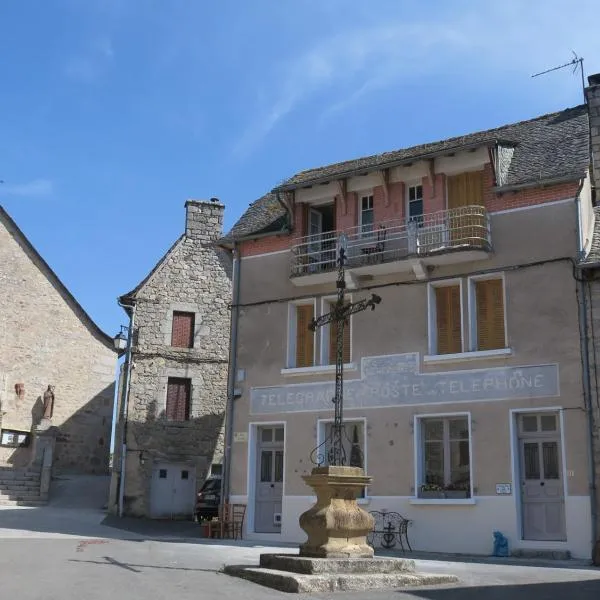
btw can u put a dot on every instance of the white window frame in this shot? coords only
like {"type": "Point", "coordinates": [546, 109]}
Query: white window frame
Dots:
{"type": "Point", "coordinates": [322, 423]}
{"type": "Point", "coordinates": [472, 308]}
{"type": "Point", "coordinates": [291, 332]}
{"type": "Point", "coordinates": [327, 303]}
{"type": "Point", "coordinates": [432, 315]}
{"type": "Point", "coordinates": [407, 187]}
{"type": "Point", "coordinates": [361, 195]}
{"type": "Point", "coordinates": [419, 455]}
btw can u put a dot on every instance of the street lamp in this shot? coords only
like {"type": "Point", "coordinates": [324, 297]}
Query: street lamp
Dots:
{"type": "Point", "coordinates": [120, 340]}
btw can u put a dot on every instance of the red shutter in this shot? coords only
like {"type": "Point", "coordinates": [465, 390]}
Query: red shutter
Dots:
{"type": "Point", "coordinates": [182, 332]}
{"type": "Point", "coordinates": [178, 399]}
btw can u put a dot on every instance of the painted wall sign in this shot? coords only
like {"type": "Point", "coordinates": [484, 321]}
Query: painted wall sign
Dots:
{"type": "Point", "coordinates": [396, 380]}
{"type": "Point", "coordinates": [503, 488]}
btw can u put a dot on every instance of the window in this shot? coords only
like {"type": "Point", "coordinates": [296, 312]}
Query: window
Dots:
{"type": "Point", "coordinates": [331, 338]}
{"type": "Point", "coordinates": [489, 318]}
{"type": "Point", "coordinates": [216, 470]}
{"type": "Point", "coordinates": [302, 339]}
{"type": "Point", "coordinates": [445, 456]}
{"type": "Point", "coordinates": [415, 203]}
{"type": "Point", "coordinates": [366, 214]}
{"type": "Point", "coordinates": [182, 331]}
{"type": "Point", "coordinates": [353, 444]}
{"type": "Point", "coordinates": [308, 348]}
{"type": "Point", "coordinates": [178, 399]}
{"type": "Point", "coordinates": [447, 320]}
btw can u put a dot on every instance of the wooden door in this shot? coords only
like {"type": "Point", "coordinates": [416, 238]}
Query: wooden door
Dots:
{"type": "Point", "coordinates": [466, 226]}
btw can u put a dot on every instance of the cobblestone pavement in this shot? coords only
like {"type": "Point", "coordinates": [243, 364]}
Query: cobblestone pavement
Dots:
{"type": "Point", "coordinates": [71, 553]}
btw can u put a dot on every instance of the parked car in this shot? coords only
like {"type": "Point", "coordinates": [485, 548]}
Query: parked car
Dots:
{"type": "Point", "coordinates": [208, 499]}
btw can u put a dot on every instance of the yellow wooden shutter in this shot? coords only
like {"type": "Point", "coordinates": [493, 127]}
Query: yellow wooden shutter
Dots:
{"type": "Point", "coordinates": [474, 188]}
{"type": "Point", "coordinates": [305, 339]}
{"type": "Point", "coordinates": [333, 341]}
{"type": "Point", "coordinates": [449, 328]}
{"type": "Point", "coordinates": [490, 314]}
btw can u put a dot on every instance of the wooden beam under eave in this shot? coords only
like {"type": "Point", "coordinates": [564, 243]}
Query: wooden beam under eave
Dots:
{"type": "Point", "coordinates": [342, 191]}
{"type": "Point", "coordinates": [431, 173]}
{"type": "Point", "coordinates": [290, 204]}
{"type": "Point", "coordinates": [384, 177]}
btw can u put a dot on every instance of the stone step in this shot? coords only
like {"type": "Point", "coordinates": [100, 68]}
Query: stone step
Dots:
{"type": "Point", "coordinates": [313, 566]}
{"type": "Point", "coordinates": [20, 496]}
{"type": "Point", "coordinates": [19, 476]}
{"type": "Point", "coordinates": [334, 582]}
{"type": "Point", "coordinates": [20, 489]}
{"type": "Point", "coordinates": [9, 502]}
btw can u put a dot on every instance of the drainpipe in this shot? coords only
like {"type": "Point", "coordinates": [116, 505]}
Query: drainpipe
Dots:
{"type": "Point", "coordinates": [587, 393]}
{"type": "Point", "coordinates": [124, 404]}
{"type": "Point", "coordinates": [235, 314]}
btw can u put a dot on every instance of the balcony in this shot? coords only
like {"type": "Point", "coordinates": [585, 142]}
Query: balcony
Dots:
{"type": "Point", "coordinates": [445, 237]}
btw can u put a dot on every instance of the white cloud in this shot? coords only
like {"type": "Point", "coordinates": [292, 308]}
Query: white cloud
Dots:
{"type": "Point", "coordinates": [491, 44]}
{"type": "Point", "coordinates": [32, 189]}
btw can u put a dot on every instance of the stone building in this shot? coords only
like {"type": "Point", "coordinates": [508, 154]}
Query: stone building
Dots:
{"type": "Point", "coordinates": [463, 389]}
{"type": "Point", "coordinates": [172, 408]}
{"type": "Point", "coordinates": [46, 338]}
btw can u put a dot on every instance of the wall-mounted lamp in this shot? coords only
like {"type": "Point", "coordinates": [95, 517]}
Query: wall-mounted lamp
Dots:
{"type": "Point", "coordinates": [120, 340]}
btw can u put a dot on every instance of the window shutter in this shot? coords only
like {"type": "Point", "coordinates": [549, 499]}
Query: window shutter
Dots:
{"type": "Point", "coordinates": [333, 341]}
{"type": "Point", "coordinates": [474, 188]}
{"type": "Point", "coordinates": [305, 339]}
{"type": "Point", "coordinates": [449, 328]}
{"type": "Point", "coordinates": [490, 314]}
{"type": "Point", "coordinates": [178, 399]}
{"type": "Point", "coordinates": [182, 331]}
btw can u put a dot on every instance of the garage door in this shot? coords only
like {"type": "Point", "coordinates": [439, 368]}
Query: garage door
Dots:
{"type": "Point", "coordinates": [173, 491]}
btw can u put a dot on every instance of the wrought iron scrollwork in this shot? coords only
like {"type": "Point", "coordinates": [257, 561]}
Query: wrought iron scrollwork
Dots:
{"type": "Point", "coordinates": [391, 528]}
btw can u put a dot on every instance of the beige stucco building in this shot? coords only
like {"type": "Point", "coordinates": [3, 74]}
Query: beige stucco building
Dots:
{"type": "Point", "coordinates": [464, 386]}
{"type": "Point", "coordinates": [46, 338]}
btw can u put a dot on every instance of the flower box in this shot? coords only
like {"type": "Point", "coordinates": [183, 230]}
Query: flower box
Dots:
{"type": "Point", "coordinates": [431, 495]}
{"type": "Point", "coordinates": [456, 494]}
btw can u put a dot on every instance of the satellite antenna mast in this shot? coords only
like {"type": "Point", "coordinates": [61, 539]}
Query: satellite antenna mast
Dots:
{"type": "Point", "coordinates": [576, 63]}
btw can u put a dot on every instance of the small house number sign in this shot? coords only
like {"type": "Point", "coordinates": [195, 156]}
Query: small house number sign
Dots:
{"type": "Point", "coordinates": [503, 489]}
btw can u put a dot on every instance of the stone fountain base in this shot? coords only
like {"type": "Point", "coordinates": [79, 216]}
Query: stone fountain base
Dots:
{"type": "Point", "coordinates": [336, 555]}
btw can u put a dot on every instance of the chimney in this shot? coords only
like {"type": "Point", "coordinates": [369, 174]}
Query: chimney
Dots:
{"type": "Point", "coordinates": [204, 220]}
{"type": "Point", "coordinates": [592, 96]}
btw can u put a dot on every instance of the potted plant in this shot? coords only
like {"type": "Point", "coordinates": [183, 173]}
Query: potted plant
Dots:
{"type": "Point", "coordinates": [457, 490]}
{"type": "Point", "coordinates": [431, 490]}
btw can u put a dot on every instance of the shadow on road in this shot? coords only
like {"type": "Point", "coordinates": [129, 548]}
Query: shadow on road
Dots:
{"type": "Point", "coordinates": [578, 590]}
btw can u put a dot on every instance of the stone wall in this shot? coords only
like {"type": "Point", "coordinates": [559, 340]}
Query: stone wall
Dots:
{"type": "Point", "coordinates": [194, 277]}
{"type": "Point", "coordinates": [45, 339]}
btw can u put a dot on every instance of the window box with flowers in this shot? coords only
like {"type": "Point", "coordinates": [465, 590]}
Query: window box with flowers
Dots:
{"type": "Point", "coordinates": [431, 491]}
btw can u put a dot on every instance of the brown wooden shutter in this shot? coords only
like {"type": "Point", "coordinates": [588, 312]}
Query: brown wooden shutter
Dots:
{"type": "Point", "coordinates": [449, 327]}
{"type": "Point", "coordinates": [305, 339]}
{"type": "Point", "coordinates": [490, 314]}
{"type": "Point", "coordinates": [178, 399]}
{"type": "Point", "coordinates": [465, 189]}
{"type": "Point", "coordinates": [333, 341]}
{"type": "Point", "coordinates": [182, 332]}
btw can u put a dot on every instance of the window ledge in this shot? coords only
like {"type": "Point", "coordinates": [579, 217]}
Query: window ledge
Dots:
{"type": "Point", "coordinates": [317, 370]}
{"type": "Point", "coordinates": [463, 356]}
{"type": "Point", "coordinates": [443, 501]}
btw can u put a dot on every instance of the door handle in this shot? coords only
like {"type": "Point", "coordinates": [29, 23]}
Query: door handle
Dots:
{"type": "Point", "coordinates": [272, 485]}
{"type": "Point", "coordinates": [542, 483]}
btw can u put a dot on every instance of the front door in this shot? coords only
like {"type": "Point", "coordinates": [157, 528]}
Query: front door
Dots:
{"type": "Point", "coordinates": [542, 491]}
{"type": "Point", "coordinates": [269, 479]}
{"type": "Point", "coordinates": [172, 491]}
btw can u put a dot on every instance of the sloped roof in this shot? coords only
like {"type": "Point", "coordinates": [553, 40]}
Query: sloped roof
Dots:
{"type": "Point", "coordinates": [265, 215]}
{"type": "Point", "coordinates": [129, 296]}
{"type": "Point", "coordinates": [35, 256]}
{"type": "Point", "coordinates": [593, 257]}
{"type": "Point", "coordinates": [546, 148]}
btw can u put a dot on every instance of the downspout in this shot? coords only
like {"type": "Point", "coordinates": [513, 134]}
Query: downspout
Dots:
{"type": "Point", "coordinates": [229, 420]}
{"type": "Point", "coordinates": [124, 404]}
{"type": "Point", "coordinates": [587, 394]}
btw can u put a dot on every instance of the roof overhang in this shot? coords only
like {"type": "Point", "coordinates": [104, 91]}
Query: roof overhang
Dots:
{"type": "Point", "coordinates": [449, 150]}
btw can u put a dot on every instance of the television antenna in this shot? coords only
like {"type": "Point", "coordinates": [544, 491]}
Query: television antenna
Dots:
{"type": "Point", "coordinates": [576, 63]}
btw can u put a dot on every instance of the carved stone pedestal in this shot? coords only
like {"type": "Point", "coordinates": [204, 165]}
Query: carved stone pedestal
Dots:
{"type": "Point", "coordinates": [336, 525]}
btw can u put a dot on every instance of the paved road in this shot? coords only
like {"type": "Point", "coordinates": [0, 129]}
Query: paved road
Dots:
{"type": "Point", "coordinates": [67, 553]}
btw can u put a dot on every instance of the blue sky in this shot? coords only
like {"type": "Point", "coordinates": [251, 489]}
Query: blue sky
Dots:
{"type": "Point", "coordinates": [114, 112]}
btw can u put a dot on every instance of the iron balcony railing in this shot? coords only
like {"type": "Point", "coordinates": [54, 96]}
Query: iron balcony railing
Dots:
{"type": "Point", "coordinates": [461, 228]}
